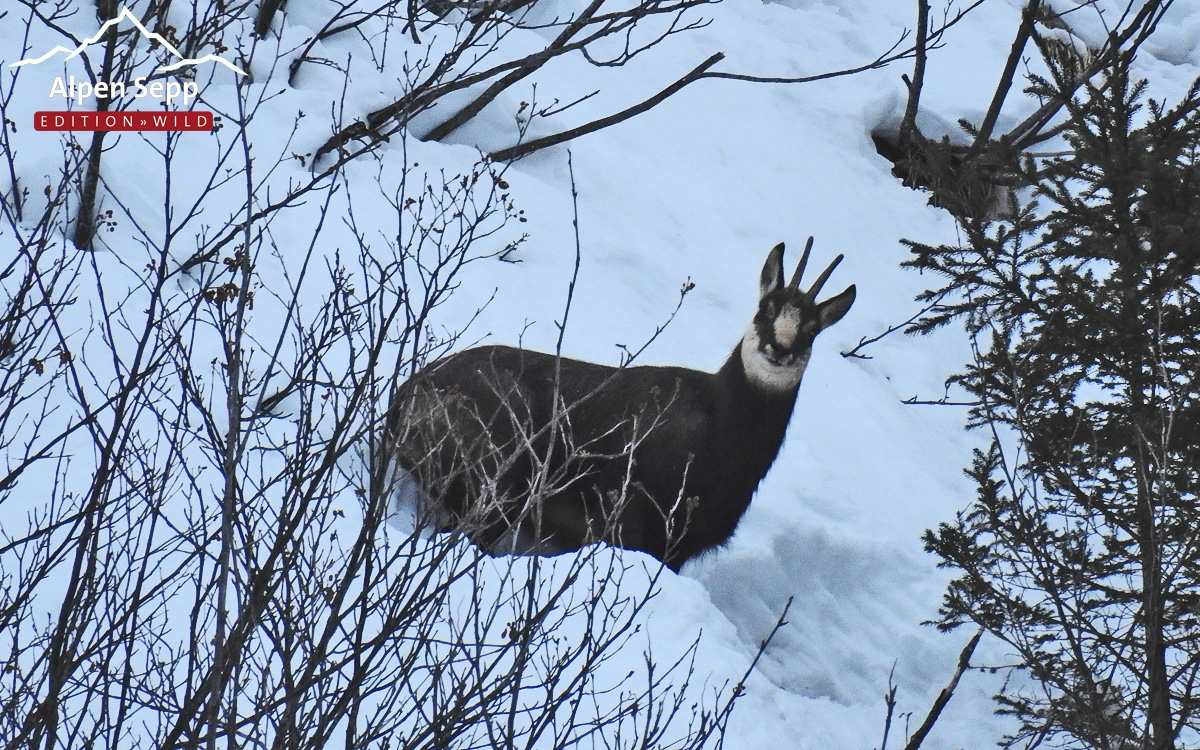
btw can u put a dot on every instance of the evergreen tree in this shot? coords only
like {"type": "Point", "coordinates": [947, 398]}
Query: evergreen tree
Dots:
{"type": "Point", "coordinates": [1081, 550]}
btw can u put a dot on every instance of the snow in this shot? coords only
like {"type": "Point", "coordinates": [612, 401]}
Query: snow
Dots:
{"type": "Point", "coordinates": [700, 188]}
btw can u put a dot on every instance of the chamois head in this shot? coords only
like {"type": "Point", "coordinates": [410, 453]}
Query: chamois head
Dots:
{"type": "Point", "coordinates": [775, 350]}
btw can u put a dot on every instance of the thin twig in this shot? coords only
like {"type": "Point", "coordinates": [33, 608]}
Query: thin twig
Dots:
{"type": "Point", "coordinates": [523, 149]}
{"type": "Point", "coordinates": [889, 699]}
{"type": "Point", "coordinates": [964, 661]}
{"type": "Point", "coordinates": [914, 401]}
{"type": "Point", "coordinates": [864, 341]}
{"type": "Point", "coordinates": [739, 689]}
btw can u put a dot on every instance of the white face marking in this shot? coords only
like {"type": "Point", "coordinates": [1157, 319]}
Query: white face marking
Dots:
{"type": "Point", "coordinates": [765, 374]}
{"type": "Point", "coordinates": [787, 325]}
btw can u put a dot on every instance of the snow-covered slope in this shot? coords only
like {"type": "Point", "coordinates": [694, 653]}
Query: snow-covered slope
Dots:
{"type": "Point", "coordinates": [700, 188]}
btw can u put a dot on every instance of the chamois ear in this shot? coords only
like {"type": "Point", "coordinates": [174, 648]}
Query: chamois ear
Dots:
{"type": "Point", "coordinates": [831, 310]}
{"type": "Point", "coordinates": [772, 273]}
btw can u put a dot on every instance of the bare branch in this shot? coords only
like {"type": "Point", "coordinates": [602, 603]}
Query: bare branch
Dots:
{"type": "Point", "coordinates": [1125, 42]}
{"type": "Point", "coordinates": [935, 711]}
{"type": "Point", "coordinates": [1028, 14]}
{"type": "Point", "coordinates": [908, 124]}
{"type": "Point", "coordinates": [523, 149]}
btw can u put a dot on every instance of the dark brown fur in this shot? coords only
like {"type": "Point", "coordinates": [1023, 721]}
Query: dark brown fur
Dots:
{"type": "Point", "coordinates": [527, 452]}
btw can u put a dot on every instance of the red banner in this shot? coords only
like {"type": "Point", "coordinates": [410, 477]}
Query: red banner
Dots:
{"type": "Point", "coordinates": [124, 121]}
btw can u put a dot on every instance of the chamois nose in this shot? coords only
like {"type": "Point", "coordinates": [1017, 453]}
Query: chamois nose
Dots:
{"type": "Point", "coordinates": [775, 351]}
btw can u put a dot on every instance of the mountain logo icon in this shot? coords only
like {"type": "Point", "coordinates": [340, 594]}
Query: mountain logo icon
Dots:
{"type": "Point", "coordinates": [125, 14]}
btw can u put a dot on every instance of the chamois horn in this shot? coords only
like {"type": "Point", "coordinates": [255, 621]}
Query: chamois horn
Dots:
{"type": "Point", "coordinates": [816, 288]}
{"type": "Point", "coordinates": [795, 282]}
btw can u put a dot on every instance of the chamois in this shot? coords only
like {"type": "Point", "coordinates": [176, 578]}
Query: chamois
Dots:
{"type": "Point", "coordinates": [529, 452]}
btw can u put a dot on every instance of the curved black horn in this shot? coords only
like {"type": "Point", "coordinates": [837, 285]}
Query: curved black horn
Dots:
{"type": "Point", "coordinates": [795, 282]}
{"type": "Point", "coordinates": [816, 288]}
